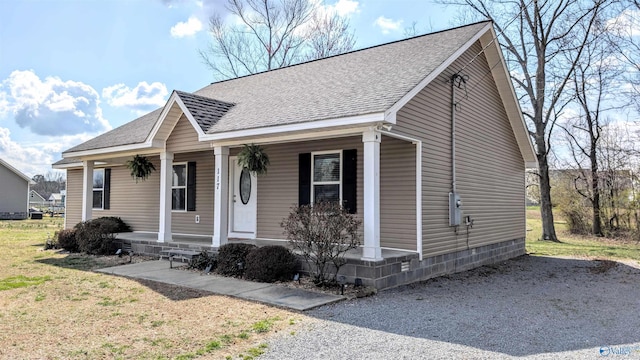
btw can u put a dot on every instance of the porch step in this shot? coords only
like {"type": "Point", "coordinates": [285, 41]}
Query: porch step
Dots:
{"type": "Point", "coordinates": [181, 253]}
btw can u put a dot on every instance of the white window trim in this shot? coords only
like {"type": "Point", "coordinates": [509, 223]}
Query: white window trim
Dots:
{"type": "Point", "coordinates": [185, 187]}
{"type": "Point", "coordinates": [313, 182]}
{"type": "Point", "coordinates": [98, 189]}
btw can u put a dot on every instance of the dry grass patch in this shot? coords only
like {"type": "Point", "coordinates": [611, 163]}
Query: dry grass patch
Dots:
{"type": "Point", "coordinates": [53, 309]}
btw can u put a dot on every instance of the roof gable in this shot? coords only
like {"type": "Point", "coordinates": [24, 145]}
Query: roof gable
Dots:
{"type": "Point", "coordinates": [16, 171]}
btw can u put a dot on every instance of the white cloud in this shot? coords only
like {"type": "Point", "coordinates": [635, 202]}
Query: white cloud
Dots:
{"type": "Point", "coordinates": [29, 160]}
{"type": "Point", "coordinates": [36, 156]}
{"type": "Point", "coordinates": [343, 7]}
{"type": "Point", "coordinates": [51, 107]}
{"type": "Point", "coordinates": [625, 24]}
{"type": "Point", "coordinates": [387, 25]}
{"type": "Point", "coordinates": [143, 97]}
{"type": "Point", "coordinates": [186, 28]}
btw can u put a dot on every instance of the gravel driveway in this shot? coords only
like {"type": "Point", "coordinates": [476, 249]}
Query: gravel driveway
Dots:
{"type": "Point", "coordinates": [537, 307]}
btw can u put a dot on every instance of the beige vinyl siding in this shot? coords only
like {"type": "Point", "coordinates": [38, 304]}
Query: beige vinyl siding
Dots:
{"type": "Point", "coordinates": [73, 204]}
{"type": "Point", "coordinates": [136, 203]}
{"type": "Point", "coordinates": [184, 138]}
{"type": "Point", "coordinates": [490, 168]}
{"type": "Point", "coordinates": [397, 194]}
{"type": "Point", "coordinates": [183, 222]}
{"type": "Point", "coordinates": [169, 123]}
{"type": "Point", "coordinates": [278, 189]}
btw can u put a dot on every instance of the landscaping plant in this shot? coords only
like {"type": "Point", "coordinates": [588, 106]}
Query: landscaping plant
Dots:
{"type": "Point", "coordinates": [322, 233]}
{"type": "Point", "coordinates": [66, 239]}
{"type": "Point", "coordinates": [232, 259]}
{"type": "Point", "coordinates": [254, 158]}
{"type": "Point", "coordinates": [140, 167]}
{"type": "Point", "coordinates": [203, 260]}
{"type": "Point", "coordinates": [271, 263]}
{"type": "Point", "coordinates": [97, 236]}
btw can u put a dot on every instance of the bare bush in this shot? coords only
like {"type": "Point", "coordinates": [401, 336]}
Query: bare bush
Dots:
{"type": "Point", "coordinates": [322, 234]}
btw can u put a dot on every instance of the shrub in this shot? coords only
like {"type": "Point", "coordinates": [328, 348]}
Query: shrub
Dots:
{"type": "Point", "coordinates": [232, 259]}
{"type": "Point", "coordinates": [203, 260]}
{"type": "Point", "coordinates": [66, 239]}
{"type": "Point", "coordinates": [322, 234]}
{"type": "Point", "coordinates": [96, 236]}
{"type": "Point", "coordinates": [114, 223]}
{"type": "Point", "coordinates": [578, 219]}
{"type": "Point", "coordinates": [271, 263]}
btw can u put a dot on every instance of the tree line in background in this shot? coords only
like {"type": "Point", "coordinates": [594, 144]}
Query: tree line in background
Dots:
{"type": "Point", "coordinates": [49, 183]}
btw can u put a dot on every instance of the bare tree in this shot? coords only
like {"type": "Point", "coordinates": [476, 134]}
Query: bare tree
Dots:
{"type": "Point", "coordinates": [329, 34]}
{"type": "Point", "coordinates": [270, 34]}
{"type": "Point", "coordinates": [534, 35]}
{"type": "Point", "coordinates": [592, 85]}
{"type": "Point", "coordinates": [49, 183]}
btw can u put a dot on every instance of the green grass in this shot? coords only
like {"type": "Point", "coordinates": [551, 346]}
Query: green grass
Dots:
{"type": "Point", "coordinates": [575, 245]}
{"type": "Point", "coordinates": [14, 282]}
{"type": "Point", "coordinates": [263, 326]}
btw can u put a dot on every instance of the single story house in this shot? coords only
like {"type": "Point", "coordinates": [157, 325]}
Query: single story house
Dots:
{"type": "Point", "coordinates": [36, 200]}
{"type": "Point", "coordinates": [423, 139]}
{"type": "Point", "coordinates": [57, 199]}
{"type": "Point", "coordinates": [14, 192]}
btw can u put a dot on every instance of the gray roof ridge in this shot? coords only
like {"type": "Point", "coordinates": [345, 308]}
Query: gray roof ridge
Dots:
{"type": "Point", "coordinates": [182, 93]}
{"type": "Point", "coordinates": [206, 111]}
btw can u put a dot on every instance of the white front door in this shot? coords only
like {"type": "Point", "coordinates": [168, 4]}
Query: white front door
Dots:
{"type": "Point", "coordinates": [243, 202]}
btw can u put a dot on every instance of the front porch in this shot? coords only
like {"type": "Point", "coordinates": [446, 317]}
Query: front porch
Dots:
{"type": "Point", "coordinates": [373, 273]}
{"type": "Point", "coordinates": [200, 194]}
{"type": "Point", "coordinates": [396, 268]}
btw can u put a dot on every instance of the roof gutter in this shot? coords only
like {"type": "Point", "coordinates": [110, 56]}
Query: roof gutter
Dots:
{"type": "Point", "coordinates": [298, 127]}
{"type": "Point", "coordinates": [149, 146]}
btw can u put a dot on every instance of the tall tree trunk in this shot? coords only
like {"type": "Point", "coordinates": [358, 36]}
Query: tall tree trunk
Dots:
{"type": "Point", "coordinates": [546, 210]}
{"type": "Point", "coordinates": [595, 189]}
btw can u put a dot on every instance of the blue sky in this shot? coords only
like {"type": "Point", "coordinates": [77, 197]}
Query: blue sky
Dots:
{"type": "Point", "coordinates": [70, 70]}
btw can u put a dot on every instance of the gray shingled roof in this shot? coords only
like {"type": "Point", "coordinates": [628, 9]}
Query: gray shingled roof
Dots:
{"type": "Point", "coordinates": [357, 83]}
{"type": "Point", "coordinates": [133, 132]}
{"type": "Point", "coordinates": [205, 111]}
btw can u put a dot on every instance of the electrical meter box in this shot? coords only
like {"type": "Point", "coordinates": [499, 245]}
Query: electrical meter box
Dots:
{"type": "Point", "coordinates": [455, 209]}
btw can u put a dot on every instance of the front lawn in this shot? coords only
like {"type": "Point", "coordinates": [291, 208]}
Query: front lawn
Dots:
{"type": "Point", "coordinates": [51, 306]}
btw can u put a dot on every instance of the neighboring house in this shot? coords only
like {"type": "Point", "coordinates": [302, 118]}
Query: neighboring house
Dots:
{"type": "Point", "coordinates": [14, 192]}
{"type": "Point", "coordinates": [57, 199]}
{"type": "Point", "coordinates": [36, 200]}
{"type": "Point", "coordinates": [371, 128]}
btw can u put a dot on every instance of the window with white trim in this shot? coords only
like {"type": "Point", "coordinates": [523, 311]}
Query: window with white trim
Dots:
{"type": "Point", "coordinates": [326, 176]}
{"type": "Point", "coordinates": [179, 187]}
{"type": "Point", "coordinates": [98, 189]}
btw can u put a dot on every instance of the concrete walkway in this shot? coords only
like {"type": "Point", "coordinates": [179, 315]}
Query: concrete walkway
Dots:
{"type": "Point", "coordinates": [272, 294]}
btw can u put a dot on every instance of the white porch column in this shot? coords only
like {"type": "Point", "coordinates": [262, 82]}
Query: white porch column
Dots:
{"type": "Point", "coordinates": [221, 197]}
{"type": "Point", "coordinates": [87, 190]}
{"type": "Point", "coordinates": [371, 250]}
{"type": "Point", "coordinates": [166, 174]}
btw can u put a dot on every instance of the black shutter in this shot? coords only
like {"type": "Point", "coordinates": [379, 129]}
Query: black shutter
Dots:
{"type": "Point", "coordinates": [304, 179]}
{"type": "Point", "coordinates": [107, 189]}
{"type": "Point", "coordinates": [349, 180]}
{"type": "Point", "coordinates": [191, 186]}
